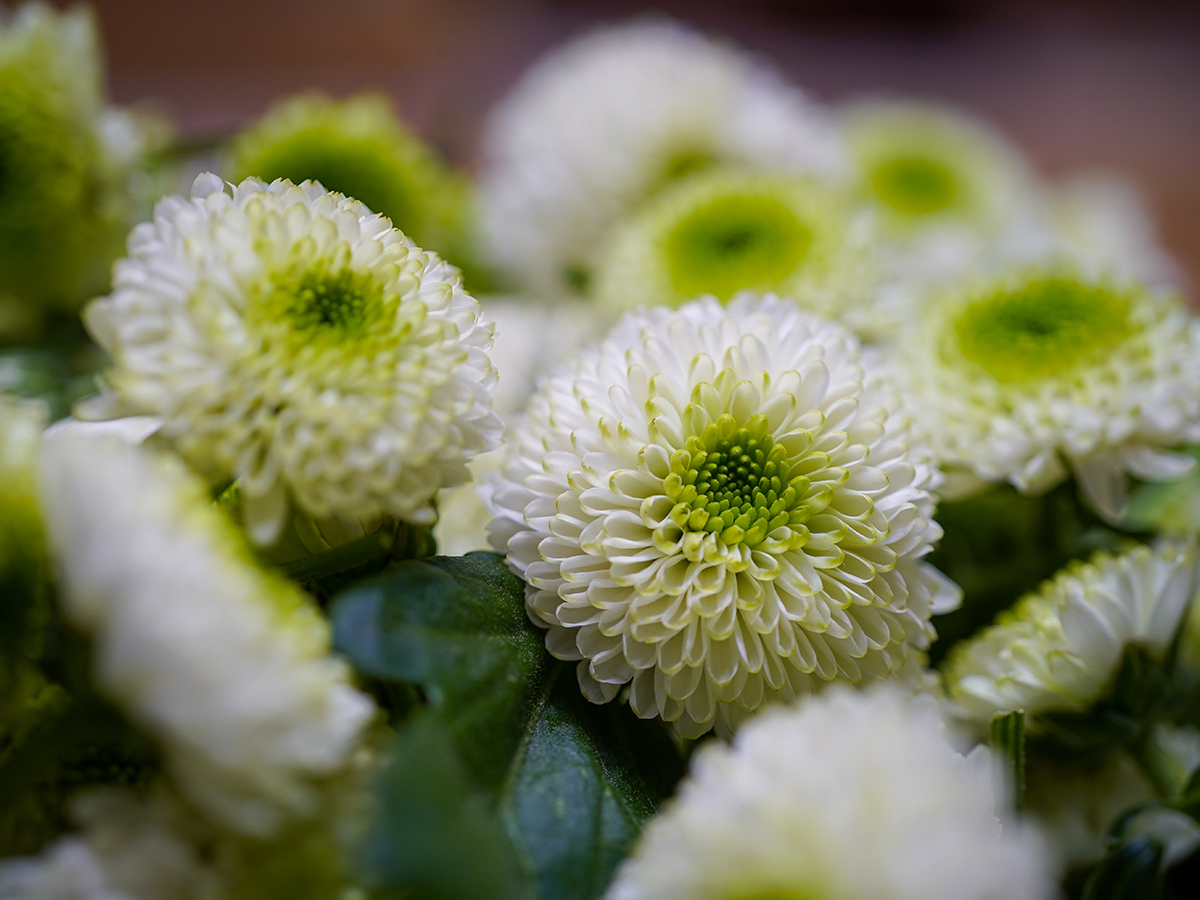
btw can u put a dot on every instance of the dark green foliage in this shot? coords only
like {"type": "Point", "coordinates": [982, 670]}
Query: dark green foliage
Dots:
{"type": "Point", "coordinates": [571, 782]}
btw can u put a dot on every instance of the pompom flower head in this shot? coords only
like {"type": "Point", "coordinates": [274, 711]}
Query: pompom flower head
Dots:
{"type": "Point", "coordinates": [356, 147]}
{"type": "Point", "coordinates": [224, 664]}
{"type": "Point", "coordinates": [1027, 376]}
{"type": "Point", "coordinates": [289, 338]}
{"type": "Point", "coordinates": [721, 507]}
{"type": "Point", "coordinates": [923, 166]}
{"type": "Point", "coordinates": [62, 207]}
{"type": "Point", "coordinates": [1058, 649]}
{"type": "Point", "coordinates": [853, 796]}
{"type": "Point", "coordinates": [604, 122]}
{"type": "Point", "coordinates": [722, 233]}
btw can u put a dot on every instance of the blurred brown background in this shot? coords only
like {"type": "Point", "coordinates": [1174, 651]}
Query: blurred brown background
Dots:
{"type": "Point", "coordinates": [1080, 85]}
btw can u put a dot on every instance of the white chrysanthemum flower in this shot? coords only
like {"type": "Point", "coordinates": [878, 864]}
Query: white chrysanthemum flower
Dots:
{"type": "Point", "coordinates": [925, 166]}
{"type": "Point", "coordinates": [852, 796]}
{"type": "Point", "coordinates": [721, 507]}
{"type": "Point", "coordinates": [1026, 376]}
{"type": "Point", "coordinates": [1059, 647]}
{"type": "Point", "coordinates": [726, 232]}
{"type": "Point", "coordinates": [288, 338]}
{"type": "Point", "coordinates": [953, 195]}
{"type": "Point", "coordinates": [596, 127]}
{"type": "Point", "coordinates": [226, 665]}
{"type": "Point", "coordinates": [129, 849]}
{"type": "Point", "coordinates": [63, 180]}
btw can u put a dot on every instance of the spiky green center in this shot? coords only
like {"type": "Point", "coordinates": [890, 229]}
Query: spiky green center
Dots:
{"type": "Point", "coordinates": [1043, 328]}
{"type": "Point", "coordinates": [734, 242]}
{"type": "Point", "coordinates": [915, 185]}
{"type": "Point", "coordinates": [318, 307]}
{"type": "Point", "coordinates": [344, 302]}
{"type": "Point", "coordinates": [735, 483]}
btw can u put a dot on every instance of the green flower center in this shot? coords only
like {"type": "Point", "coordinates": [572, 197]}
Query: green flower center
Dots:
{"type": "Point", "coordinates": [914, 185]}
{"type": "Point", "coordinates": [735, 242]}
{"type": "Point", "coordinates": [342, 302]}
{"type": "Point", "coordinates": [733, 483]}
{"type": "Point", "coordinates": [1043, 328]}
{"type": "Point", "coordinates": [321, 308]}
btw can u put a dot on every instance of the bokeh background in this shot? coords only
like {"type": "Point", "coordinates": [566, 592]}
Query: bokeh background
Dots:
{"type": "Point", "coordinates": [1080, 85]}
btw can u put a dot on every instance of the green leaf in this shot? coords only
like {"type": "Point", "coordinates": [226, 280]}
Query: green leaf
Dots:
{"type": "Point", "coordinates": [572, 781]}
{"type": "Point", "coordinates": [1131, 871]}
{"type": "Point", "coordinates": [433, 835]}
{"type": "Point", "coordinates": [585, 781]}
{"type": "Point", "coordinates": [1008, 740]}
{"type": "Point", "coordinates": [457, 628]}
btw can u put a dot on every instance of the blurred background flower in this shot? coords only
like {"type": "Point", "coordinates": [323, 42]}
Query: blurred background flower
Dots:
{"type": "Point", "coordinates": [1076, 85]}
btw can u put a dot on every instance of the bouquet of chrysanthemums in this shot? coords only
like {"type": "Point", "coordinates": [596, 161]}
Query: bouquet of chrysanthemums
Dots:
{"type": "Point", "coordinates": [716, 496]}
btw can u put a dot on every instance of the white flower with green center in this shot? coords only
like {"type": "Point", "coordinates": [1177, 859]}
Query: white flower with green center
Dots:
{"type": "Point", "coordinates": [356, 147]}
{"type": "Point", "coordinates": [721, 508]}
{"type": "Point", "coordinates": [225, 665]}
{"type": "Point", "coordinates": [724, 232]}
{"type": "Point", "coordinates": [63, 208]}
{"type": "Point", "coordinates": [1059, 647]}
{"type": "Point", "coordinates": [288, 338]}
{"type": "Point", "coordinates": [1026, 376]}
{"type": "Point", "coordinates": [603, 123]}
{"type": "Point", "coordinates": [923, 165]}
{"type": "Point", "coordinates": [851, 796]}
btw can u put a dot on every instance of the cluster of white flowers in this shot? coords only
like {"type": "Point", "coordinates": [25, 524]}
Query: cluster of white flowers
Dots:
{"type": "Point", "coordinates": [753, 348]}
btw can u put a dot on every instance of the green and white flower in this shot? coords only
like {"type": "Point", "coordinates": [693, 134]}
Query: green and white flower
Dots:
{"type": "Point", "coordinates": [63, 166]}
{"type": "Point", "coordinates": [225, 665]}
{"type": "Point", "coordinates": [721, 507]}
{"type": "Point", "coordinates": [359, 148]}
{"type": "Point", "coordinates": [288, 338]}
{"type": "Point", "coordinates": [601, 124]}
{"type": "Point", "coordinates": [1058, 648]}
{"type": "Point", "coordinates": [1037, 373]}
{"type": "Point", "coordinates": [851, 796]}
{"type": "Point", "coordinates": [724, 232]}
{"type": "Point", "coordinates": [924, 166]}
